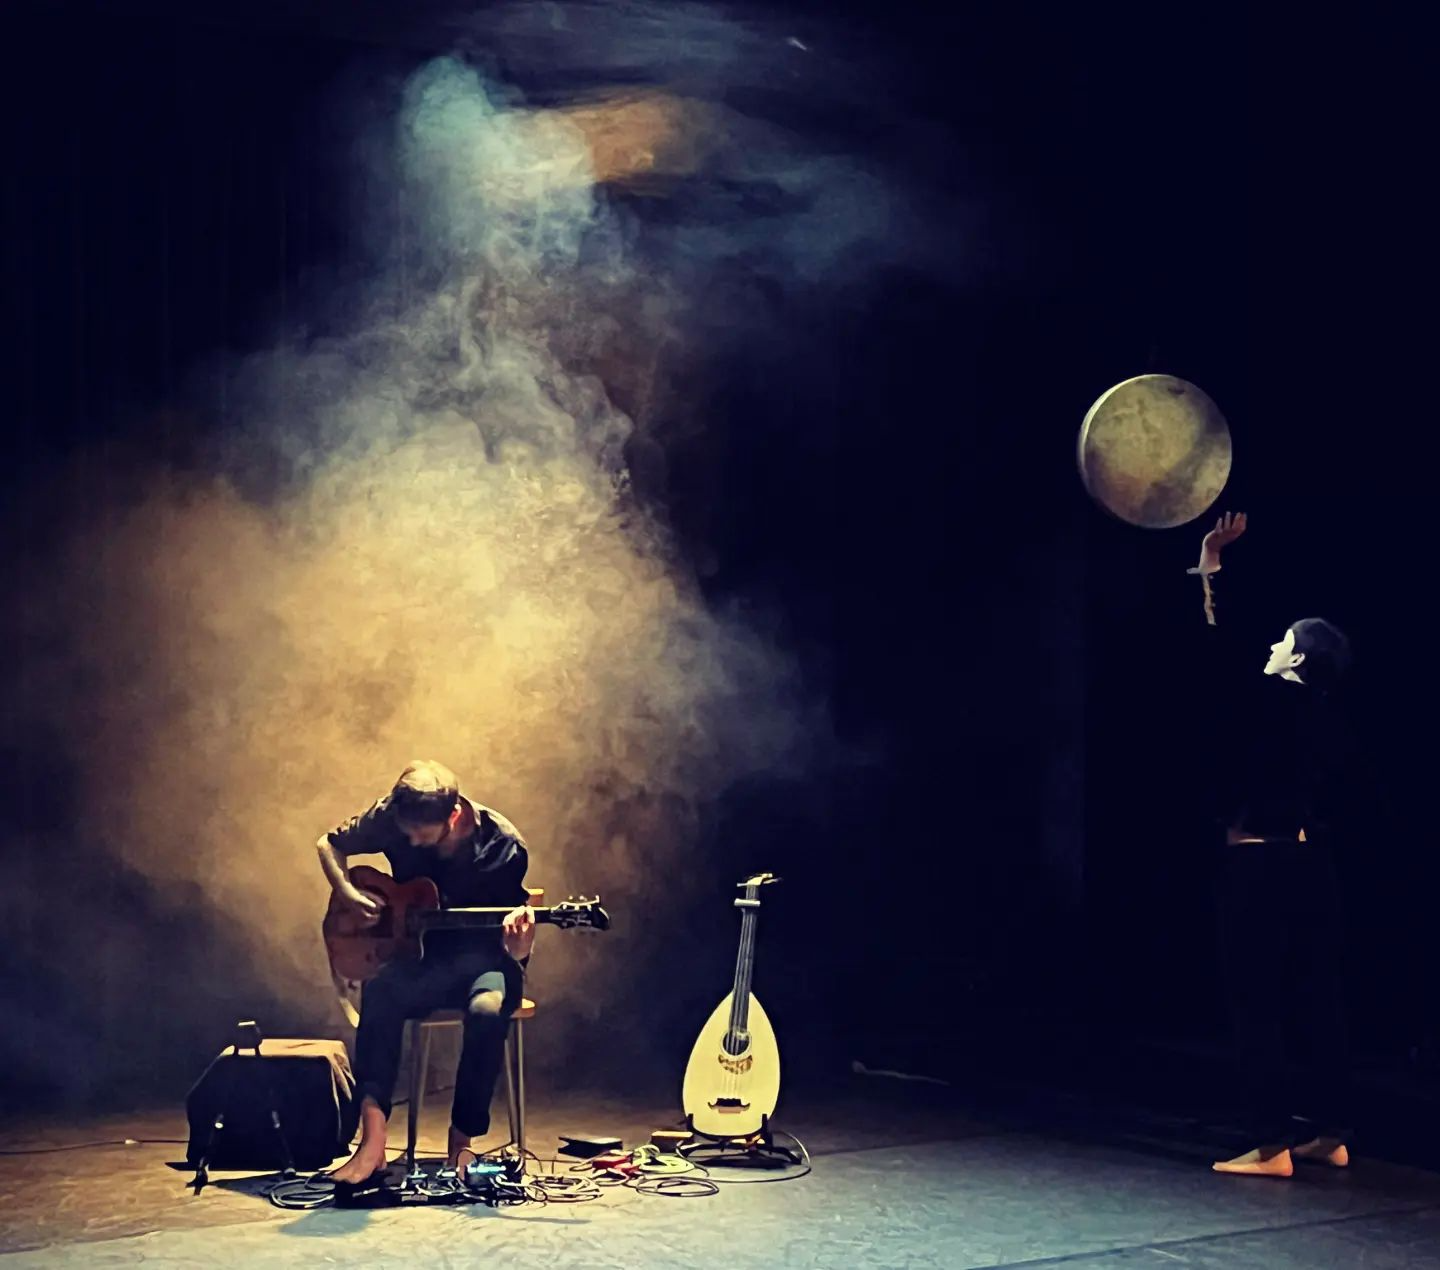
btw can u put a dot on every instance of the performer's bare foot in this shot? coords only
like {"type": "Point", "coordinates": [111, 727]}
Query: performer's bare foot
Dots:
{"type": "Point", "coordinates": [1269, 1161]}
{"type": "Point", "coordinates": [369, 1156]}
{"type": "Point", "coordinates": [458, 1142]}
{"type": "Point", "coordinates": [1329, 1151]}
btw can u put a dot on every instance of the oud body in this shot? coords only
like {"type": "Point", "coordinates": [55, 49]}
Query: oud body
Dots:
{"type": "Point", "coordinates": [730, 1095]}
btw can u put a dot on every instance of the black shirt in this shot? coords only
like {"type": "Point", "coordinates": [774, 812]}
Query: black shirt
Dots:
{"type": "Point", "coordinates": [486, 872]}
{"type": "Point", "coordinates": [1287, 750]}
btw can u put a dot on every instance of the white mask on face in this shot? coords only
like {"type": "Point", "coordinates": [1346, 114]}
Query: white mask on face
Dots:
{"type": "Point", "coordinates": [1284, 660]}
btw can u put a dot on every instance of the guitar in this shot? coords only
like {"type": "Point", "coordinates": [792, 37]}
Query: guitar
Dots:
{"type": "Point", "coordinates": [732, 1081]}
{"type": "Point", "coordinates": [357, 951]}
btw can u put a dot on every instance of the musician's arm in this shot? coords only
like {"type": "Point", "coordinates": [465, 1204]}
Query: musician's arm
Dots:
{"type": "Point", "coordinates": [1230, 527]}
{"type": "Point", "coordinates": [366, 834]}
{"type": "Point", "coordinates": [332, 864]}
{"type": "Point", "coordinates": [1236, 764]}
{"type": "Point", "coordinates": [1218, 683]}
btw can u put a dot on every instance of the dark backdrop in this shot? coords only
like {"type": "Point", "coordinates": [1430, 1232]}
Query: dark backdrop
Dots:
{"type": "Point", "coordinates": [1193, 194]}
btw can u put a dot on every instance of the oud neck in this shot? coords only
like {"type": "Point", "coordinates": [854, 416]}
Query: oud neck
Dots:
{"type": "Point", "coordinates": [749, 907]}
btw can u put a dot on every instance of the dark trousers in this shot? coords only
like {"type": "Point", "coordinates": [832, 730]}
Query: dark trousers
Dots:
{"type": "Point", "coordinates": [446, 978]}
{"type": "Point", "coordinates": [1282, 924]}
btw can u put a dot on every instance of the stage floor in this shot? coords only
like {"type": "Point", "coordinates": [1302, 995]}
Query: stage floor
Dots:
{"type": "Point", "coordinates": [903, 1175]}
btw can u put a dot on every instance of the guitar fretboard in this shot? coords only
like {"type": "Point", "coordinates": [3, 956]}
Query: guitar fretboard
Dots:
{"type": "Point", "coordinates": [472, 918]}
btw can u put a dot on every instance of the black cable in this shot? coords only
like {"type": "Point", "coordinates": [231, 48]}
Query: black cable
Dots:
{"type": "Point", "coordinates": [303, 1192]}
{"type": "Point", "coordinates": [742, 1157]}
{"type": "Point", "coordinates": [550, 1160]}
{"type": "Point", "coordinates": [682, 1187]}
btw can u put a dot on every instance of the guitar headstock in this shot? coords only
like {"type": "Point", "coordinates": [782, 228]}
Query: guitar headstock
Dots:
{"type": "Point", "coordinates": [580, 913]}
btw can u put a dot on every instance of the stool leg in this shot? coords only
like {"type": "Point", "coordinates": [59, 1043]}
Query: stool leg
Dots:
{"type": "Point", "coordinates": [510, 1103]}
{"type": "Point", "coordinates": [519, 1026]}
{"type": "Point", "coordinates": [419, 1069]}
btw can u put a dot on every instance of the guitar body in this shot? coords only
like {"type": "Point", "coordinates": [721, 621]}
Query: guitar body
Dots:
{"type": "Point", "coordinates": [732, 1095]}
{"type": "Point", "coordinates": [357, 952]}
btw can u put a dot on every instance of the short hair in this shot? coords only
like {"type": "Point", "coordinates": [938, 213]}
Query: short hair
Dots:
{"type": "Point", "coordinates": [1327, 652]}
{"type": "Point", "coordinates": [425, 794]}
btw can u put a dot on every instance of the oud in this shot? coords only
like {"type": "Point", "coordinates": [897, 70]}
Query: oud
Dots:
{"type": "Point", "coordinates": [732, 1081]}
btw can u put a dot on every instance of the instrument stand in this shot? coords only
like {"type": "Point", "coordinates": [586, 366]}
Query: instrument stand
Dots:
{"type": "Point", "coordinates": [758, 1151]}
{"type": "Point", "coordinates": [247, 1036]}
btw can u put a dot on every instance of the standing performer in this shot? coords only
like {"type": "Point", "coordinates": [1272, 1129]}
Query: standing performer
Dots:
{"type": "Point", "coordinates": [1286, 791]}
{"type": "Point", "coordinates": [425, 828]}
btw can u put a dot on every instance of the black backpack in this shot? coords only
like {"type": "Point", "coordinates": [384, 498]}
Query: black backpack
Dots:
{"type": "Point", "coordinates": [284, 1104]}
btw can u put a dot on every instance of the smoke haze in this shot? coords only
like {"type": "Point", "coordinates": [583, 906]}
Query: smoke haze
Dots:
{"type": "Point", "coordinates": [416, 534]}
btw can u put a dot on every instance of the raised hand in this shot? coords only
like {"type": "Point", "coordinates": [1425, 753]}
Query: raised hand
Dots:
{"type": "Point", "coordinates": [1227, 529]}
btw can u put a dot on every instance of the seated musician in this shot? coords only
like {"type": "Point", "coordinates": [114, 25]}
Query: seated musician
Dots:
{"type": "Point", "coordinates": [426, 828]}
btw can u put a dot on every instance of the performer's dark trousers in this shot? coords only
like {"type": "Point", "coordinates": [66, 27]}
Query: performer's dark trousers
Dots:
{"type": "Point", "coordinates": [1283, 931]}
{"type": "Point", "coordinates": [446, 978]}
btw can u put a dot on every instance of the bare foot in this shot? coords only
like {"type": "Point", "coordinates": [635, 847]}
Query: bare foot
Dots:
{"type": "Point", "coordinates": [1329, 1151]}
{"type": "Point", "coordinates": [458, 1142]}
{"type": "Point", "coordinates": [1270, 1161]}
{"type": "Point", "coordinates": [369, 1156]}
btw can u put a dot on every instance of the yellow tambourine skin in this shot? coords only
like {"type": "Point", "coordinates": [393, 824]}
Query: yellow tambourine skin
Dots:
{"type": "Point", "coordinates": [1154, 451]}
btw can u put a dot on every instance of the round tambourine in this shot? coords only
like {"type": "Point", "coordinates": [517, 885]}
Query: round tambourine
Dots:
{"type": "Point", "coordinates": [1154, 451]}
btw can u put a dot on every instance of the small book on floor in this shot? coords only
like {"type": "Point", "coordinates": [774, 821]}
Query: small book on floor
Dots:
{"type": "Point", "coordinates": [585, 1145]}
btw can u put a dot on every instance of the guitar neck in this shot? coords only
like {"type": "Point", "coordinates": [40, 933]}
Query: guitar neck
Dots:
{"type": "Point", "coordinates": [472, 918]}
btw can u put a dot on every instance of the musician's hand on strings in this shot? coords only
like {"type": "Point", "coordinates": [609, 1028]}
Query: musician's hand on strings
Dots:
{"type": "Point", "coordinates": [365, 906]}
{"type": "Point", "coordinates": [1228, 528]}
{"type": "Point", "coordinates": [519, 932]}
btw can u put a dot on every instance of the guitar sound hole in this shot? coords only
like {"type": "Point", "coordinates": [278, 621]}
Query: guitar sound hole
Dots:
{"type": "Point", "coordinates": [736, 1043]}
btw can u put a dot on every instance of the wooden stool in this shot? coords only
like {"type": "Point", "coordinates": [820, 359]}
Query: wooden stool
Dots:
{"type": "Point", "coordinates": [421, 1031]}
